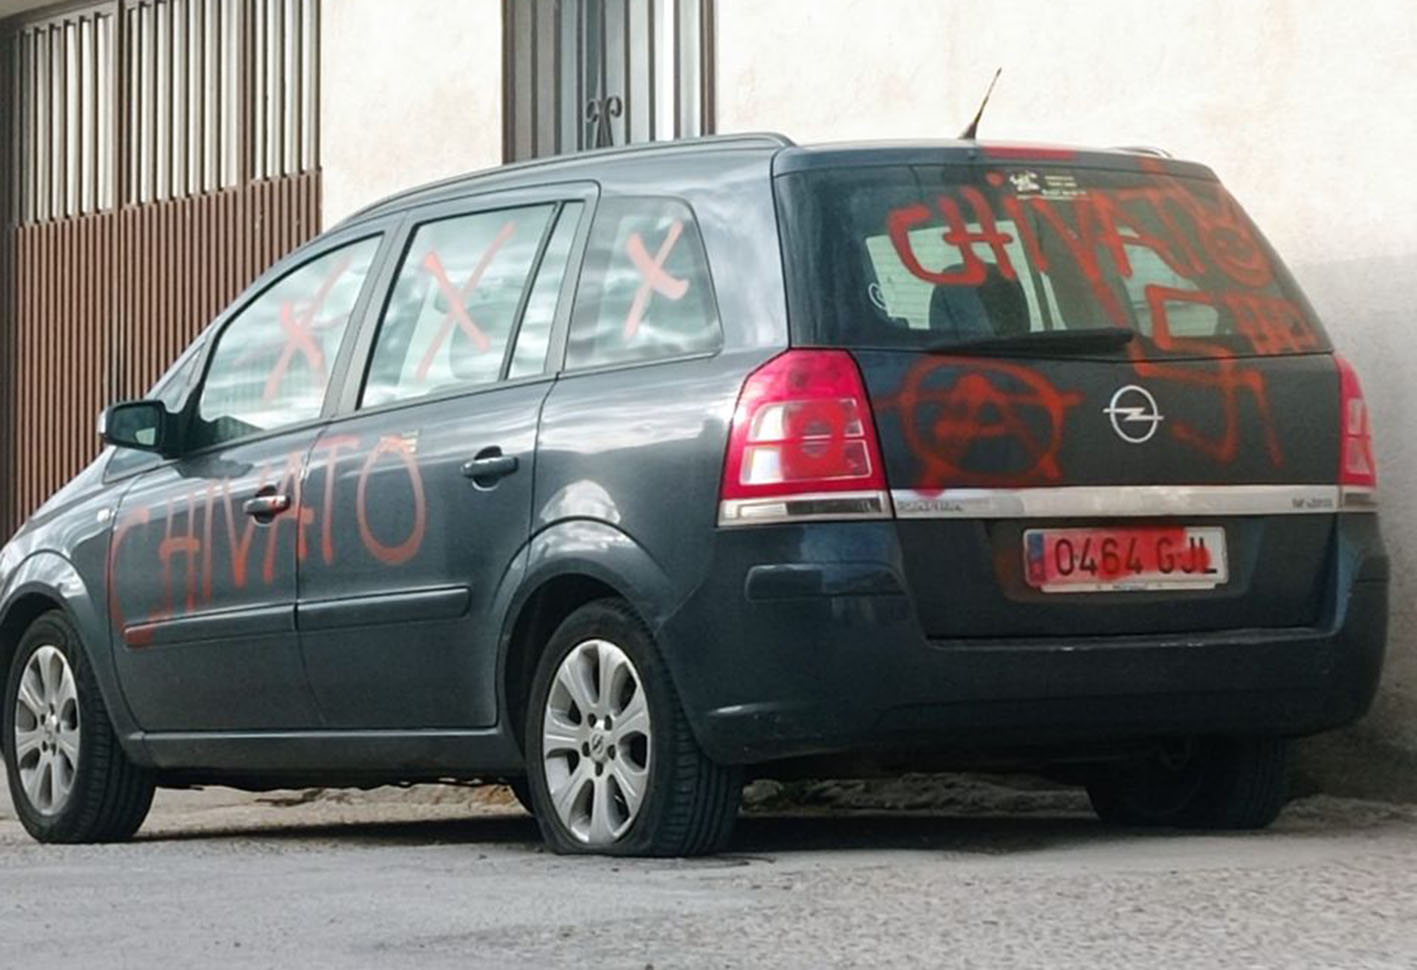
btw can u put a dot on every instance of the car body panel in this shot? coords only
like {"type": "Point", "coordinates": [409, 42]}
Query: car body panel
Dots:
{"type": "Point", "coordinates": [812, 668]}
{"type": "Point", "coordinates": [203, 593]}
{"type": "Point", "coordinates": [61, 555]}
{"type": "Point", "coordinates": [394, 610]}
{"type": "Point", "coordinates": [1018, 425]}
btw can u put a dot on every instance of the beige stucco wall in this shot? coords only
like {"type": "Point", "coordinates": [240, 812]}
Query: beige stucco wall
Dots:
{"type": "Point", "coordinates": [1304, 108]}
{"type": "Point", "coordinates": [411, 91]}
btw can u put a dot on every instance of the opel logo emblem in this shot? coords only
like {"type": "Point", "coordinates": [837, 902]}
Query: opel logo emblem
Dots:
{"type": "Point", "coordinates": [1135, 416]}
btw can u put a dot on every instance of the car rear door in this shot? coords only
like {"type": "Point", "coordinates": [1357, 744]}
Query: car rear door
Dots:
{"type": "Point", "coordinates": [1184, 479]}
{"type": "Point", "coordinates": [203, 557]}
{"type": "Point", "coordinates": [426, 480]}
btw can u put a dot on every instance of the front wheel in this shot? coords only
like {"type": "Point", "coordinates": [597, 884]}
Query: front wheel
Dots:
{"type": "Point", "coordinates": [611, 761]}
{"type": "Point", "coordinates": [1208, 783]}
{"type": "Point", "coordinates": [70, 780]}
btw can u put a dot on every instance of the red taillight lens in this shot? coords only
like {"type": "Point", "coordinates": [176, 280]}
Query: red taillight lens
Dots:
{"type": "Point", "coordinates": [803, 444]}
{"type": "Point", "coordinates": [1358, 468]}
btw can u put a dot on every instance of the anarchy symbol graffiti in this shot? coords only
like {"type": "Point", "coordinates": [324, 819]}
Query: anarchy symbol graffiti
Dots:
{"type": "Point", "coordinates": [980, 423]}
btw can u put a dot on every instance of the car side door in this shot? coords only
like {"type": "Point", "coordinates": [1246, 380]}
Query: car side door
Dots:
{"type": "Point", "coordinates": [205, 545]}
{"type": "Point", "coordinates": [426, 479]}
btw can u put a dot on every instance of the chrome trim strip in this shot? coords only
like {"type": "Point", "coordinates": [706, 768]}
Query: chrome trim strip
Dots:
{"type": "Point", "coordinates": [809, 507]}
{"type": "Point", "coordinates": [1081, 501]}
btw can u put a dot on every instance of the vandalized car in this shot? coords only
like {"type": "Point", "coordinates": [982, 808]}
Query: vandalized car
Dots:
{"type": "Point", "coordinates": [624, 477]}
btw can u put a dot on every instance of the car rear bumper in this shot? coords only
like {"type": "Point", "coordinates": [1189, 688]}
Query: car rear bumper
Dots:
{"type": "Point", "coordinates": [823, 654]}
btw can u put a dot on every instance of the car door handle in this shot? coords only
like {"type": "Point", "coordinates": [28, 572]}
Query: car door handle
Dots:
{"type": "Point", "coordinates": [489, 467]}
{"type": "Point", "coordinates": [266, 506]}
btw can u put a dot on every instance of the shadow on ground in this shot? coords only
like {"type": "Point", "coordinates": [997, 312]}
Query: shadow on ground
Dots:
{"type": "Point", "coordinates": [754, 836]}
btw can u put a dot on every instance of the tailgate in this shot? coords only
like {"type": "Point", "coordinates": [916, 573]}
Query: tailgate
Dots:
{"type": "Point", "coordinates": [979, 452]}
{"type": "Point", "coordinates": [1077, 366]}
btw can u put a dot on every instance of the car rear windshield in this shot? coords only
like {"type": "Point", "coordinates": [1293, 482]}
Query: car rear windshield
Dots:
{"type": "Point", "coordinates": [930, 256]}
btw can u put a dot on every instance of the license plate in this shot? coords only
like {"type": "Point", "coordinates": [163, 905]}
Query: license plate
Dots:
{"type": "Point", "coordinates": [1107, 560]}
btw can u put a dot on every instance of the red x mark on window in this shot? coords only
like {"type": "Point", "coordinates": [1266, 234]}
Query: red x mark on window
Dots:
{"type": "Point", "coordinates": [300, 335]}
{"type": "Point", "coordinates": [457, 299]}
{"type": "Point", "coordinates": [655, 278]}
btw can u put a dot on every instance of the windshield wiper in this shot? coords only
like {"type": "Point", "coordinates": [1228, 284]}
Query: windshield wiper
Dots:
{"type": "Point", "coordinates": [1041, 341]}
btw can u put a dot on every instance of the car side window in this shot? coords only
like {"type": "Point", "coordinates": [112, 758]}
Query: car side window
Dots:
{"type": "Point", "coordinates": [454, 304]}
{"type": "Point", "coordinates": [271, 364]}
{"type": "Point", "coordinates": [646, 292]}
{"type": "Point", "coordinates": [534, 335]}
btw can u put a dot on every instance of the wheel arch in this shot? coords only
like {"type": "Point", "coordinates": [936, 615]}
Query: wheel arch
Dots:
{"type": "Point", "coordinates": [570, 565]}
{"type": "Point", "coordinates": [19, 614]}
{"type": "Point", "coordinates": [47, 581]}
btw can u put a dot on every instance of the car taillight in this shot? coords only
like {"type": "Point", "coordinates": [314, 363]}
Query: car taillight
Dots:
{"type": "Point", "coordinates": [803, 444]}
{"type": "Point", "coordinates": [1357, 468]}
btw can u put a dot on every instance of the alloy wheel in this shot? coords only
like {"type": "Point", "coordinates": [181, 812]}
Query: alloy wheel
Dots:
{"type": "Point", "coordinates": [47, 730]}
{"type": "Point", "coordinates": [596, 742]}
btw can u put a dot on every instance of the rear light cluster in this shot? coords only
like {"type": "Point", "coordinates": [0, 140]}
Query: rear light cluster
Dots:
{"type": "Point", "coordinates": [803, 444]}
{"type": "Point", "coordinates": [1358, 468]}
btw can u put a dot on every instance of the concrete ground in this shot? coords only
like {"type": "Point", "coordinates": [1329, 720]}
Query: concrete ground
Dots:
{"type": "Point", "coordinates": [445, 877]}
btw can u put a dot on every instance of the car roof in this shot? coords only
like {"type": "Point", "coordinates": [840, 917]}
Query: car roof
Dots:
{"type": "Point", "coordinates": [963, 152]}
{"type": "Point", "coordinates": [781, 155]}
{"type": "Point", "coordinates": [589, 164]}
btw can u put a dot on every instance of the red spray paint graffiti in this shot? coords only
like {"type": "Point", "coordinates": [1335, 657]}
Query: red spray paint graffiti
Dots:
{"type": "Point", "coordinates": [957, 234]}
{"type": "Point", "coordinates": [300, 335]}
{"type": "Point", "coordinates": [1196, 238]}
{"type": "Point", "coordinates": [654, 277]}
{"type": "Point", "coordinates": [395, 555]}
{"type": "Point", "coordinates": [126, 523]}
{"type": "Point", "coordinates": [1225, 375]}
{"type": "Point", "coordinates": [299, 515]}
{"type": "Point", "coordinates": [457, 299]}
{"type": "Point", "coordinates": [948, 407]}
{"type": "Point", "coordinates": [332, 446]}
{"type": "Point", "coordinates": [193, 541]}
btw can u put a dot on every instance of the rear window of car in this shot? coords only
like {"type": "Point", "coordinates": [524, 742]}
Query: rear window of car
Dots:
{"type": "Point", "coordinates": [927, 256]}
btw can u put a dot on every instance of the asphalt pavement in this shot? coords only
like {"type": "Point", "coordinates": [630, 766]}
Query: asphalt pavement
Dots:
{"type": "Point", "coordinates": [436, 877]}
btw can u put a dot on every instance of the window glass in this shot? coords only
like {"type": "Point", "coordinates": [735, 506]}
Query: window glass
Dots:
{"type": "Point", "coordinates": [926, 256]}
{"type": "Point", "coordinates": [534, 337]}
{"type": "Point", "coordinates": [271, 365]}
{"type": "Point", "coordinates": [452, 309]}
{"type": "Point", "coordinates": [646, 291]}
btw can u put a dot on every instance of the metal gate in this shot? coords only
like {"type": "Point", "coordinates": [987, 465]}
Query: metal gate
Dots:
{"type": "Point", "coordinates": [581, 74]}
{"type": "Point", "coordinates": [165, 152]}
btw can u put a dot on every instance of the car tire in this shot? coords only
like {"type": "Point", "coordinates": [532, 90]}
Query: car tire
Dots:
{"type": "Point", "coordinates": [1213, 783]}
{"type": "Point", "coordinates": [70, 780]}
{"type": "Point", "coordinates": [521, 790]}
{"type": "Point", "coordinates": [584, 769]}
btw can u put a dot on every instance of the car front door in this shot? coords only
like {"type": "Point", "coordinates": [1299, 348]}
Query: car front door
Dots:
{"type": "Point", "coordinates": [424, 486]}
{"type": "Point", "coordinates": [205, 546]}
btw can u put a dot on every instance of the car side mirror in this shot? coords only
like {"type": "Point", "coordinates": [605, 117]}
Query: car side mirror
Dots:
{"type": "Point", "coordinates": [140, 425]}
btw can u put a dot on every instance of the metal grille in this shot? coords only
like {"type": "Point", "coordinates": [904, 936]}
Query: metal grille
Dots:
{"type": "Point", "coordinates": [63, 84]}
{"type": "Point", "coordinates": [213, 92]}
{"type": "Point", "coordinates": [182, 64]}
{"type": "Point", "coordinates": [592, 73]}
{"type": "Point", "coordinates": [145, 199]}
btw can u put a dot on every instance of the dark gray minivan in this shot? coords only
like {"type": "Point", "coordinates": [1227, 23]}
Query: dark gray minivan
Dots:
{"type": "Point", "coordinates": [625, 476]}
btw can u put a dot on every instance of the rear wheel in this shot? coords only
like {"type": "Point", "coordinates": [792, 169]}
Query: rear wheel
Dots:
{"type": "Point", "coordinates": [611, 761]}
{"type": "Point", "coordinates": [1210, 783]}
{"type": "Point", "coordinates": [69, 779]}
{"type": "Point", "coordinates": [521, 790]}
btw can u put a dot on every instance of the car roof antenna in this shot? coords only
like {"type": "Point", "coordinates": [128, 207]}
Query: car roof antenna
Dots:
{"type": "Point", "coordinates": [972, 131]}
